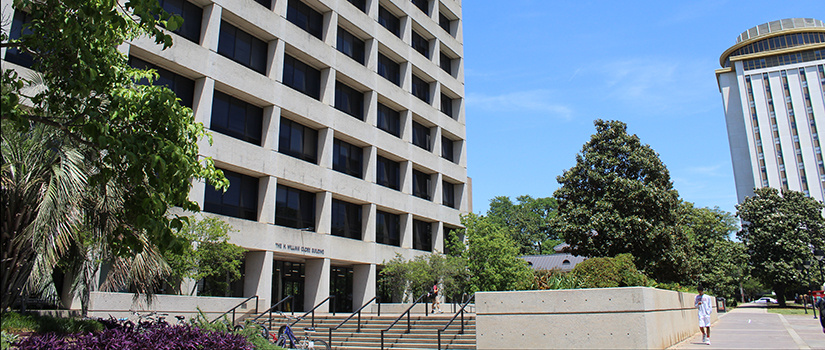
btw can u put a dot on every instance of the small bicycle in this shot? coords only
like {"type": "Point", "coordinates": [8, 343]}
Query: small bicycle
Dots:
{"type": "Point", "coordinates": [286, 337]}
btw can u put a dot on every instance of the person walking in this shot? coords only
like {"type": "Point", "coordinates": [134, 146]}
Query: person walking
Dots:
{"type": "Point", "coordinates": [820, 304]}
{"type": "Point", "coordinates": [436, 303]}
{"type": "Point", "coordinates": [703, 304]}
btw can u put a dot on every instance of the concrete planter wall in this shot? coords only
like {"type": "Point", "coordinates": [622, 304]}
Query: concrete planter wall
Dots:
{"type": "Point", "coordinates": [627, 318]}
{"type": "Point", "coordinates": [103, 304]}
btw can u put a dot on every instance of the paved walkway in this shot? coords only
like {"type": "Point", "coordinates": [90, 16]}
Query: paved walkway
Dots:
{"type": "Point", "coordinates": [750, 326]}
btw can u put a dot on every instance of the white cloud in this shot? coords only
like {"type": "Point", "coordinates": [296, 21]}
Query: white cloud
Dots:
{"type": "Point", "coordinates": [540, 101]}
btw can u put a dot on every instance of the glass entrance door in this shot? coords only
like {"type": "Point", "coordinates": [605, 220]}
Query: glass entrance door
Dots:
{"type": "Point", "coordinates": [340, 285]}
{"type": "Point", "coordinates": [288, 279]}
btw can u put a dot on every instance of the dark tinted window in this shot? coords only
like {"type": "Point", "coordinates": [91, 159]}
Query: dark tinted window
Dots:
{"type": "Point", "coordinates": [294, 208]}
{"type": "Point", "coordinates": [447, 149]}
{"type": "Point", "coordinates": [444, 23]}
{"type": "Point", "coordinates": [192, 16]}
{"type": "Point", "coordinates": [240, 200]}
{"type": "Point", "coordinates": [300, 76]}
{"type": "Point", "coordinates": [305, 17]}
{"type": "Point", "coordinates": [448, 194]}
{"type": "Point", "coordinates": [422, 235]}
{"type": "Point", "coordinates": [389, 21]}
{"type": "Point", "coordinates": [423, 5]}
{"type": "Point", "coordinates": [236, 118]}
{"type": "Point", "coordinates": [19, 27]}
{"type": "Point", "coordinates": [421, 184]}
{"type": "Point", "coordinates": [387, 228]}
{"type": "Point", "coordinates": [265, 3]}
{"type": "Point", "coordinates": [360, 4]}
{"type": "Point", "coordinates": [421, 89]}
{"type": "Point", "coordinates": [446, 63]}
{"type": "Point", "coordinates": [349, 100]}
{"type": "Point", "coordinates": [242, 47]}
{"type": "Point", "coordinates": [447, 106]}
{"type": "Point", "coordinates": [346, 219]}
{"type": "Point", "coordinates": [421, 136]}
{"type": "Point", "coordinates": [347, 158]}
{"type": "Point", "coordinates": [420, 44]}
{"type": "Point", "coordinates": [298, 141]}
{"type": "Point", "coordinates": [350, 45]}
{"type": "Point", "coordinates": [389, 120]}
{"type": "Point", "coordinates": [388, 173]}
{"type": "Point", "coordinates": [183, 87]}
{"type": "Point", "coordinates": [388, 69]}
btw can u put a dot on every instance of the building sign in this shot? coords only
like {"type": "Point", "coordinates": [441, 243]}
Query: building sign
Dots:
{"type": "Point", "coordinates": [298, 249]}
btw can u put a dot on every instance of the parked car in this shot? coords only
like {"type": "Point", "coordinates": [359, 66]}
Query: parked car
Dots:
{"type": "Point", "coordinates": [766, 300]}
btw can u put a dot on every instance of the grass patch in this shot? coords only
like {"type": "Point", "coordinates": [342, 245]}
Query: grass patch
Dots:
{"type": "Point", "coordinates": [16, 323]}
{"type": "Point", "coordinates": [789, 309]}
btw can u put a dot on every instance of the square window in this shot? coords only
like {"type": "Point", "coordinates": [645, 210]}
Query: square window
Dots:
{"type": "Point", "coordinates": [349, 100]}
{"type": "Point", "coordinates": [300, 76]}
{"type": "Point", "coordinates": [389, 120]}
{"type": "Point", "coordinates": [447, 149]}
{"type": "Point", "coordinates": [421, 136]}
{"type": "Point", "coordinates": [305, 17]}
{"type": "Point", "coordinates": [294, 208]}
{"type": "Point", "coordinates": [422, 235]}
{"type": "Point", "coordinates": [388, 173]}
{"type": "Point", "coordinates": [387, 228]}
{"type": "Point", "coordinates": [236, 118]}
{"type": "Point", "coordinates": [346, 219]}
{"type": "Point", "coordinates": [387, 20]}
{"type": "Point", "coordinates": [350, 45]}
{"type": "Point", "coordinates": [298, 141]}
{"type": "Point", "coordinates": [347, 158]}
{"type": "Point", "coordinates": [420, 44]}
{"type": "Point", "coordinates": [240, 199]}
{"type": "Point", "coordinates": [422, 185]}
{"type": "Point", "coordinates": [388, 69]}
{"type": "Point", "coordinates": [421, 89]}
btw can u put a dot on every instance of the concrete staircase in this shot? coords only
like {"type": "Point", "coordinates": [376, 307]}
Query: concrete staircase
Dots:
{"type": "Point", "coordinates": [423, 333]}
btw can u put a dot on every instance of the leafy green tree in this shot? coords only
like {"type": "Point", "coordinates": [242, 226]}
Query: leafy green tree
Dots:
{"type": "Point", "coordinates": [406, 280]}
{"type": "Point", "coordinates": [618, 271]}
{"type": "Point", "coordinates": [528, 222]}
{"type": "Point", "coordinates": [210, 257]}
{"type": "Point", "coordinates": [618, 198]}
{"type": "Point", "coordinates": [718, 263]}
{"type": "Point", "coordinates": [492, 257]}
{"type": "Point", "coordinates": [137, 138]}
{"type": "Point", "coordinates": [779, 231]}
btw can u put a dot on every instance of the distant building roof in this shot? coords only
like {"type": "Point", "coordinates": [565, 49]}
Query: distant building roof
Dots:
{"type": "Point", "coordinates": [563, 261]}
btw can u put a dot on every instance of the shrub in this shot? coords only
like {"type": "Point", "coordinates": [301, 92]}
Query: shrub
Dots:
{"type": "Point", "coordinates": [555, 279]}
{"type": "Point", "coordinates": [619, 271]}
{"type": "Point", "coordinates": [16, 323]}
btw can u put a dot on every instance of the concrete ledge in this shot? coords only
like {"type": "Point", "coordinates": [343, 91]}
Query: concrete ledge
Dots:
{"type": "Point", "coordinates": [103, 304]}
{"type": "Point", "coordinates": [627, 318]}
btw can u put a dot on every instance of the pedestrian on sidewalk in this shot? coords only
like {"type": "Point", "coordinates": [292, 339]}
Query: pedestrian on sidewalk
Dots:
{"type": "Point", "coordinates": [820, 304]}
{"type": "Point", "coordinates": [703, 304]}
{"type": "Point", "coordinates": [434, 294]}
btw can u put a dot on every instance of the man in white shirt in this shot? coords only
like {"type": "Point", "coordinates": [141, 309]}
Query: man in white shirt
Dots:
{"type": "Point", "coordinates": [705, 307]}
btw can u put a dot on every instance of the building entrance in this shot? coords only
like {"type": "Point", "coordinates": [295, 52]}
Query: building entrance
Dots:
{"type": "Point", "coordinates": [340, 285]}
{"type": "Point", "coordinates": [288, 279]}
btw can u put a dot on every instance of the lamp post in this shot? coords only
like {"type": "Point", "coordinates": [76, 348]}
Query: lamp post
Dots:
{"type": "Point", "coordinates": [807, 264]}
{"type": "Point", "coordinates": [801, 268]}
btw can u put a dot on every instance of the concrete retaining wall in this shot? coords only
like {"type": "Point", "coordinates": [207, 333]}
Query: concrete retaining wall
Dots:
{"type": "Point", "coordinates": [627, 318]}
{"type": "Point", "coordinates": [103, 304]}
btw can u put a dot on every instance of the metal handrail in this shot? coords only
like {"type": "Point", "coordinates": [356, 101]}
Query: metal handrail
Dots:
{"type": "Point", "coordinates": [313, 311]}
{"type": "Point", "coordinates": [376, 299]}
{"type": "Point", "coordinates": [409, 309]}
{"type": "Point", "coordinates": [272, 308]}
{"type": "Point", "coordinates": [232, 310]}
{"type": "Point", "coordinates": [461, 312]}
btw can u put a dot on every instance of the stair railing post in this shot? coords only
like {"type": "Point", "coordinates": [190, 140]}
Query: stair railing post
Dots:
{"type": "Point", "coordinates": [382, 339]}
{"type": "Point", "coordinates": [358, 330]}
{"type": "Point", "coordinates": [408, 321]}
{"type": "Point", "coordinates": [378, 299]}
{"type": "Point", "coordinates": [330, 337]}
{"type": "Point", "coordinates": [462, 321]}
{"type": "Point", "coordinates": [313, 318]}
{"type": "Point", "coordinates": [439, 339]}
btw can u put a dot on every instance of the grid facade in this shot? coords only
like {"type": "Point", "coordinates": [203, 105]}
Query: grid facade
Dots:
{"type": "Point", "coordinates": [312, 108]}
{"type": "Point", "coordinates": [773, 92]}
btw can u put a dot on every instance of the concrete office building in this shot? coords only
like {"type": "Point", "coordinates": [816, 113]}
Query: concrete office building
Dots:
{"type": "Point", "coordinates": [339, 123]}
{"type": "Point", "coordinates": [773, 90]}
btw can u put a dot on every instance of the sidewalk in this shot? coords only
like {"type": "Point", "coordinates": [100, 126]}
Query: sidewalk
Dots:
{"type": "Point", "coordinates": [750, 326]}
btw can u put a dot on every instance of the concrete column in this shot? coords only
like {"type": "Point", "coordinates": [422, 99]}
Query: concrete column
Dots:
{"type": "Point", "coordinates": [323, 212]}
{"type": "Point", "coordinates": [371, 52]}
{"type": "Point", "coordinates": [372, 9]}
{"type": "Point", "coordinates": [316, 283]}
{"type": "Point", "coordinates": [461, 152]}
{"type": "Point", "coordinates": [405, 172]}
{"type": "Point", "coordinates": [330, 30]}
{"type": "Point", "coordinates": [371, 104]}
{"type": "Point", "coordinates": [438, 237]}
{"type": "Point", "coordinates": [406, 76]}
{"type": "Point", "coordinates": [436, 94]}
{"type": "Point", "coordinates": [258, 276]}
{"type": "Point", "coordinates": [189, 287]}
{"type": "Point", "coordinates": [406, 125]}
{"type": "Point", "coordinates": [202, 103]}
{"type": "Point", "coordinates": [276, 72]}
{"type": "Point", "coordinates": [368, 213]}
{"type": "Point", "coordinates": [280, 8]}
{"type": "Point", "coordinates": [328, 86]}
{"type": "Point", "coordinates": [434, 10]}
{"type": "Point", "coordinates": [267, 186]}
{"type": "Point", "coordinates": [370, 163]}
{"type": "Point", "coordinates": [197, 192]}
{"type": "Point", "coordinates": [271, 127]}
{"type": "Point", "coordinates": [406, 30]}
{"type": "Point", "coordinates": [325, 138]}
{"type": "Point", "coordinates": [435, 48]}
{"type": "Point", "coordinates": [363, 284]}
{"type": "Point", "coordinates": [406, 222]}
{"type": "Point", "coordinates": [211, 26]}
{"type": "Point", "coordinates": [435, 134]}
{"type": "Point", "coordinates": [437, 189]}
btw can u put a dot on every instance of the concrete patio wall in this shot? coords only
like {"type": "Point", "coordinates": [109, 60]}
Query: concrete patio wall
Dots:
{"type": "Point", "coordinates": [103, 304]}
{"type": "Point", "coordinates": [625, 318]}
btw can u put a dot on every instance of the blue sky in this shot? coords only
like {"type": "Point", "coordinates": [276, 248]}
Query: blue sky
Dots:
{"type": "Point", "coordinates": [538, 72]}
